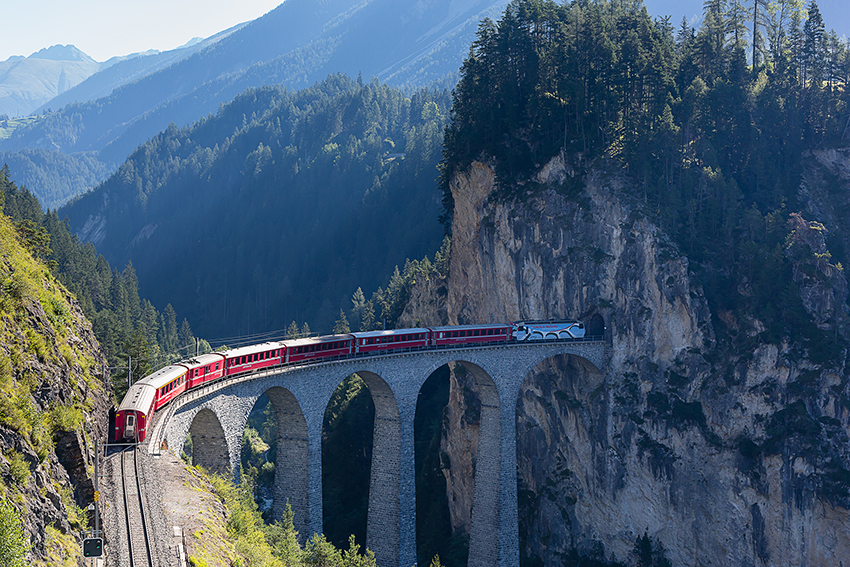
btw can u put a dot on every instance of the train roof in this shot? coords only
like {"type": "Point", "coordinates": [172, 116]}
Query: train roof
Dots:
{"type": "Point", "coordinates": [139, 397]}
{"type": "Point", "coordinates": [262, 347]}
{"type": "Point", "coordinates": [387, 332]}
{"type": "Point", "coordinates": [313, 340]}
{"type": "Point", "coordinates": [164, 375]}
{"type": "Point", "coordinates": [202, 359]}
{"type": "Point", "coordinates": [461, 327]}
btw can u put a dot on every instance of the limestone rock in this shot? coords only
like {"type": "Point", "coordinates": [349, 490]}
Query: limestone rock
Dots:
{"type": "Point", "coordinates": [725, 456]}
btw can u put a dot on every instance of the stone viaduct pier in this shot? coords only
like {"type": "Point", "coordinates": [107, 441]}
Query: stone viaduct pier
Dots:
{"type": "Point", "coordinates": [217, 414]}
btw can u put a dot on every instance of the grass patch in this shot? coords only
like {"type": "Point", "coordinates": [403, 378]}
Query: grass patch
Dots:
{"type": "Point", "coordinates": [18, 467]}
{"type": "Point", "coordinates": [63, 550]}
{"type": "Point", "coordinates": [8, 126]}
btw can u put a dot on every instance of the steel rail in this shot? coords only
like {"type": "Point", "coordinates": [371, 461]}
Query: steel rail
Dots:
{"type": "Point", "coordinates": [131, 542]}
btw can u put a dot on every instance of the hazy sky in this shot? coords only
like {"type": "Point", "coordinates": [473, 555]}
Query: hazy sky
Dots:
{"type": "Point", "coordinates": [104, 28]}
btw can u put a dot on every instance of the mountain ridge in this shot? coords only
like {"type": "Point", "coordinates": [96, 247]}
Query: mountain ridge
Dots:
{"type": "Point", "coordinates": [365, 38]}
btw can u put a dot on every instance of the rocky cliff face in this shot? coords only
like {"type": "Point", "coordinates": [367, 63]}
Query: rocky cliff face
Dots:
{"type": "Point", "coordinates": [722, 455]}
{"type": "Point", "coordinates": [55, 402]}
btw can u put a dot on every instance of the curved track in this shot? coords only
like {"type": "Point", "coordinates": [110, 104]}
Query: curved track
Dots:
{"type": "Point", "coordinates": [138, 544]}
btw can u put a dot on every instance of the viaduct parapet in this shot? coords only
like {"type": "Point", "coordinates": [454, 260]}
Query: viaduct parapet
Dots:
{"type": "Point", "coordinates": [217, 415]}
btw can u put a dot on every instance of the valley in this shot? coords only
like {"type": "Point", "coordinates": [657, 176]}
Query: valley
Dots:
{"type": "Point", "coordinates": [675, 187]}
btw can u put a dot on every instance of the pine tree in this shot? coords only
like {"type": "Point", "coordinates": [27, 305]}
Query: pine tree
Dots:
{"type": "Point", "coordinates": [341, 325]}
{"type": "Point", "coordinates": [185, 339]}
{"type": "Point", "coordinates": [814, 52]}
{"type": "Point", "coordinates": [367, 321]}
{"type": "Point", "coordinates": [759, 18]}
{"type": "Point", "coordinates": [292, 331]}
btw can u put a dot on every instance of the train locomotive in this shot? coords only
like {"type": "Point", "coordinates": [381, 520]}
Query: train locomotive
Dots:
{"type": "Point", "coordinates": [155, 390]}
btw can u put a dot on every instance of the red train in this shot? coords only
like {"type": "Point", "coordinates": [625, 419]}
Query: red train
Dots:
{"type": "Point", "coordinates": [155, 390]}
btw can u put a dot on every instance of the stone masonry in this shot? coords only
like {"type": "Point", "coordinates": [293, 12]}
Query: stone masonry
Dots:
{"type": "Point", "coordinates": [217, 414]}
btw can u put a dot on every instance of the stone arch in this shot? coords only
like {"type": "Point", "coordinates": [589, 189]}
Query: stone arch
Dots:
{"type": "Point", "coordinates": [291, 480]}
{"type": "Point", "coordinates": [209, 444]}
{"type": "Point", "coordinates": [382, 526]}
{"type": "Point", "coordinates": [483, 546]}
{"type": "Point", "coordinates": [560, 400]}
{"type": "Point", "coordinates": [484, 513]}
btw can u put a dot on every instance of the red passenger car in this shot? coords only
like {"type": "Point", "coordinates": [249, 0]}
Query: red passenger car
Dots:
{"type": "Point", "coordinates": [380, 341]}
{"type": "Point", "coordinates": [145, 397]}
{"type": "Point", "coordinates": [254, 357]}
{"type": "Point", "coordinates": [471, 334]}
{"type": "Point", "coordinates": [204, 368]}
{"type": "Point", "coordinates": [316, 348]}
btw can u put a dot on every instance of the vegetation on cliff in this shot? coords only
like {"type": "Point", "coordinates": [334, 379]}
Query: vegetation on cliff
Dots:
{"type": "Point", "coordinates": [125, 324]}
{"type": "Point", "coordinates": [53, 402]}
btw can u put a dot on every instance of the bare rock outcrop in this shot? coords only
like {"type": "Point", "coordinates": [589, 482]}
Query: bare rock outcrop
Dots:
{"type": "Point", "coordinates": [722, 454]}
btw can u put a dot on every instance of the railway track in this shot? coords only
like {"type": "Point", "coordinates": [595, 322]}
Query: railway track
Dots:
{"type": "Point", "coordinates": [138, 542]}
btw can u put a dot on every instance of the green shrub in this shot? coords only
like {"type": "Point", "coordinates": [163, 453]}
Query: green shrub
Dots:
{"type": "Point", "coordinates": [19, 467]}
{"type": "Point", "coordinates": [65, 418]}
{"type": "Point", "coordinates": [14, 545]}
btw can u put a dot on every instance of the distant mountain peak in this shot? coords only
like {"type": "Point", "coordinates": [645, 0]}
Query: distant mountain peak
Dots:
{"type": "Point", "coordinates": [62, 53]}
{"type": "Point", "coordinates": [194, 41]}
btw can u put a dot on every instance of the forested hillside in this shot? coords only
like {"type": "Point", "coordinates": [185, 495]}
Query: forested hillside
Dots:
{"type": "Point", "coordinates": [717, 146]}
{"type": "Point", "coordinates": [58, 176]}
{"type": "Point", "coordinates": [295, 45]}
{"type": "Point", "coordinates": [125, 324]}
{"type": "Point", "coordinates": [278, 207]}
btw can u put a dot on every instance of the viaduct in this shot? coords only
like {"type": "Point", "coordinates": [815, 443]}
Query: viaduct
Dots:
{"type": "Point", "coordinates": [216, 416]}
